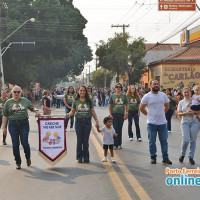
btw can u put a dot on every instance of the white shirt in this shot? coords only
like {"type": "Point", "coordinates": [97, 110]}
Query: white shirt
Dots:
{"type": "Point", "coordinates": [194, 100]}
{"type": "Point", "coordinates": [108, 135]}
{"type": "Point", "coordinates": [155, 107]}
{"type": "Point", "coordinates": [182, 107]}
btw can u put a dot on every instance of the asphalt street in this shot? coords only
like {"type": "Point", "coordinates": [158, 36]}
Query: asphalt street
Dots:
{"type": "Point", "coordinates": [132, 177]}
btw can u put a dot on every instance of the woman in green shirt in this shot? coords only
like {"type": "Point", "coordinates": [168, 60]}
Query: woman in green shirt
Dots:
{"type": "Point", "coordinates": [15, 110]}
{"type": "Point", "coordinates": [83, 109]}
{"type": "Point", "coordinates": [68, 100]}
{"type": "Point", "coordinates": [3, 100]}
{"type": "Point", "coordinates": [133, 113]}
{"type": "Point", "coordinates": [170, 112]}
{"type": "Point", "coordinates": [118, 109]}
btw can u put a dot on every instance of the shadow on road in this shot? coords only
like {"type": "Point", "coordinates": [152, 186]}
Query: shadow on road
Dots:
{"type": "Point", "coordinates": [4, 162]}
{"type": "Point", "coordinates": [64, 174]}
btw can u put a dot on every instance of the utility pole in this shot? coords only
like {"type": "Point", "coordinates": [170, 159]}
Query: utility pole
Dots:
{"type": "Point", "coordinates": [121, 26]}
{"type": "Point", "coordinates": [1, 62]}
{"type": "Point", "coordinates": [89, 74]}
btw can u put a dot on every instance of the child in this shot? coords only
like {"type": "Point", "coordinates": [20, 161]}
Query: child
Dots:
{"type": "Point", "coordinates": [194, 104]}
{"type": "Point", "coordinates": [108, 141]}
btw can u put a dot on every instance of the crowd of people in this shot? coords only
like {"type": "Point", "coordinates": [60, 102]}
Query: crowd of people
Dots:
{"type": "Point", "coordinates": [123, 104]}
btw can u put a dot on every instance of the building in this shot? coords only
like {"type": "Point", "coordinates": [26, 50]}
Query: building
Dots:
{"type": "Point", "coordinates": [177, 70]}
{"type": "Point", "coordinates": [154, 53]}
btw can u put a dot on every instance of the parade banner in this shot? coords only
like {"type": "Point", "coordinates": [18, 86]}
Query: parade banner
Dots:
{"type": "Point", "coordinates": [52, 139]}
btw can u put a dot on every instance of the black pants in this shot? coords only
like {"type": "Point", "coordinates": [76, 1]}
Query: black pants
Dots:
{"type": "Point", "coordinates": [58, 103]}
{"type": "Point", "coordinates": [4, 136]}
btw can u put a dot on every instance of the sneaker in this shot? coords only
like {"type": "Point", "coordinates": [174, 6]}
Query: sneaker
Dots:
{"type": "Point", "coordinates": [4, 143]}
{"type": "Point", "coordinates": [167, 161]}
{"type": "Point", "coordinates": [153, 160]}
{"type": "Point", "coordinates": [28, 162]}
{"type": "Point", "coordinates": [169, 131]}
{"type": "Point", "coordinates": [104, 159]}
{"type": "Point", "coordinates": [130, 139]}
{"type": "Point", "coordinates": [113, 160]}
{"type": "Point", "coordinates": [18, 166]}
{"type": "Point", "coordinates": [80, 160]}
{"type": "Point", "coordinates": [191, 161]}
{"type": "Point", "coordinates": [115, 148]}
{"type": "Point", "coordinates": [86, 160]}
{"type": "Point", "coordinates": [181, 158]}
{"type": "Point", "coordinates": [139, 139]}
{"type": "Point", "coordinates": [71, 129]}
{"type": "Point", "coordinates": [120, 147]}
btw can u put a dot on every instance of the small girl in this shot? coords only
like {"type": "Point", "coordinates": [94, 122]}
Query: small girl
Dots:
{"type": "Point", "coordinates": [108, 141]}
{"type": "Point", "coordinates": [194, 104]}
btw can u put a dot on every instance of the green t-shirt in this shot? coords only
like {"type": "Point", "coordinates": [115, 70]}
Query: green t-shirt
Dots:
{"type": "Point", "coordinates": [82, 109]}
{"type": "Point", "coordinates": [133, 103]}
{"type": "Point", "coordinates": [17, 110]}
{"type": "Point", "coordinates": [69, 98]}
{"type": "Point", "coordinates": [91, 96]}
{"type": "Point", "coordinates": [118, 103]}
{"type": "Point", "coordinates": [2, 103]}
{"type": "Point", "coordinates": [172, 103]}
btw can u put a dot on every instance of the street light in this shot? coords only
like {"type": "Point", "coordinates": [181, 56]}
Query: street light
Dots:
{"type": "Point", "coordinates": [1, 62]}
{"type": "Point", "coordinates": [29, 20]}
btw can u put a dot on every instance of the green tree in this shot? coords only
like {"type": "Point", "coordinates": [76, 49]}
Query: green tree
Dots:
{"type": "Point", "coordinates": [99, 78]}
{"type": "Point", "coordinates": [61, 47]}
{"type": "Point", "coordinates": [121, 55]}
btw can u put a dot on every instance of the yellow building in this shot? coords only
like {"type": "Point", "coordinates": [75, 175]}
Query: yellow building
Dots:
{"type": "Point", "coordinates": [178, 70]}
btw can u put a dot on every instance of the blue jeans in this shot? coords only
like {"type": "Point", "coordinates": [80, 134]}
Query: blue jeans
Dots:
{"type": "Point", "coordinates": [190, 132]}
{"type": "Point", "coordinates": [118, 121]}
{"type": "Point", "coordinates": [83, 128]}
{"type": "Point", "coordinates": [168, 116]}
{"type": "Point", "coordinates": [163, 135]}
{"type": "Point", "coordinates": [19, 131]}
{"type": "Point", "coordinates": [133, 115]}
{"type": "Point", "coordinates": [67, 110]}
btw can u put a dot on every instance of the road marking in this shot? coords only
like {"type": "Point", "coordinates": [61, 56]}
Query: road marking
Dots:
{"type": "Point", "coordinates": [123, 194]}
{"type": "Point", "coordinates": [142, 194]}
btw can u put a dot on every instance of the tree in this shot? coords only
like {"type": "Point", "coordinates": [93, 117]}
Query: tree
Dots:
{"type": "Point", "coordinates": [120, 55]}
{"type": "Point", "coordinates": [61, 47]}
{"type": "Point", "coordinates": [99, 78]}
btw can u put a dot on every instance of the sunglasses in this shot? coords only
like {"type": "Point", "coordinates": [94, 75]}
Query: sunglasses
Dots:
{"type": "Point", "coordinates": [118, 87]}
{"type": "Point", "coordinates": [17, 92]}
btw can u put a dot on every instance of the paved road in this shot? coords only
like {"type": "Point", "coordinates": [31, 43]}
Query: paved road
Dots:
{"type": "Point", "coordinates": [132, 177]}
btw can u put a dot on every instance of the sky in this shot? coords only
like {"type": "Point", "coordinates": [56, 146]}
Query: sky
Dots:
{"type": "Point", "coordinates": [142, 16]}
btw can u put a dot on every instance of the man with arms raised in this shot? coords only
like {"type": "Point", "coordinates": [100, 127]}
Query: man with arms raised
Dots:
{"type": "Point", "coordinates": [157, 104]}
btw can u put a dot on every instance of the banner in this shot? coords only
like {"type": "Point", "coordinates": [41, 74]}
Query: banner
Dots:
{"type": "Point", "coordinates": [52, 139]}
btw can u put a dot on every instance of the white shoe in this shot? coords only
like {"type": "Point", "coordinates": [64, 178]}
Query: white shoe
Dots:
{"type": "Point", "coordinates": [169, 131]}
{"type": "Point", "coordinates": [104, 159]}
{"type": "Point", "coordinates": [113, 160]}
{"type": "Point", "coordinates": [71, 129]}
{"type": "Point", "coordinates": [140, 139]}
{"type": "Point", "coordinates": [130, 139]}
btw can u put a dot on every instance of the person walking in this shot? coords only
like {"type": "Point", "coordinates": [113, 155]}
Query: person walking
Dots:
{"type": "Point", "coordinates": [68, 100]}
{"type": "Point", "coordinates": [118, 110]}
{"type": "Point", "coordinates": [133, 113]}
{"type": "Point", "coordinates": [3, 100]}
{"type": "Point", "coordinates": [46, 103]}
{"type": "Point", "coordinates": [15, 110]}
{"type": "Point", "coordinates": [83, 109]}
{"type": "Point", "coordinates": [170, 112]}
{"type": "Point", "coordinates": [189, 127]}
{"type": "Point", "coordinates": [157, 104]}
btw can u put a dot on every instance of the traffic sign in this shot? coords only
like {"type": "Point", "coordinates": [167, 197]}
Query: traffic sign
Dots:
{"type": "Point", "coordinates": [177, 1]}
{"type": "Point", "coordinates": [177, 5]}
